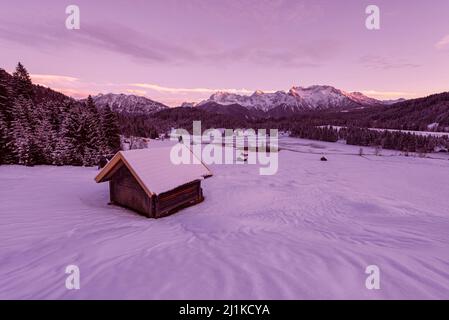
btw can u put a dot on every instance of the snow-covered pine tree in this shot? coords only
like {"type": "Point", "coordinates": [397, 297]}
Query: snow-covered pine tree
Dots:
{"type": "Point", "coordinates": [45, 140]}
{"type": "Point", "coordinates": [95, 144]}
{"type": "Point", "coordinates": [22, 84]}
{"type": "Point", "coordinates": [59, 154]}
{"type": "Point", "coordinates": [5, 119]}
{"type": "Point", "coordinates": [60, 121]}
{"type": "Point", "coordinates": [23, 118]}
{"type": "Point", "coordinates": [110, 131]}
{"type": "Point", "coordinates": [5, 96]}
{"type": "Point", "coordinates": [4, 150]}
{"type": "Point", "coordinates": [72, 142]}
{"type": "Point", "coordinates": [23, 139]}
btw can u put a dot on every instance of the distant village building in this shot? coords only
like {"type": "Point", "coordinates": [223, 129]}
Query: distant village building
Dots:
{"type": "Point", "coordinates": [147, 181]}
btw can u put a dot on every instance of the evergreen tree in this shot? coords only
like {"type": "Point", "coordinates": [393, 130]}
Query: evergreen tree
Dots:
{"type": "Point", "coordinates": [22, 84]}
{"type": "Point", "coordinates": [23, 139]}
{"type": "Point", "coordinates": [94, 142]}
{"type": "Point", "coordinates": [60, 118]}
{"type": "Point", "coordinates": [4, 152]}
{"type": "Point", "coordinates": [46, 140]}
{"type": "Point", "coordinates": [71, 145]}
{"type": "Point", "coordinates": [5, 97]}
{"type": "Point", "coordinates": [110, 131]}
{"type": "Point", "coordinates": [6, 116]}
{"type": "Point", "coordinates": [59, 155]}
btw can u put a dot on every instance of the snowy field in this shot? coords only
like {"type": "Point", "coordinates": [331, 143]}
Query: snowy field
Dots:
{"type": "Point", "coordinates": [307, 232]}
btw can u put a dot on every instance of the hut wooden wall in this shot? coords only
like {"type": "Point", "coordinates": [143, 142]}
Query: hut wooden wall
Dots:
{"type": "Point", "coordinates": [126, 191]}
{"type": "Point", "coordinates": [178, 198]}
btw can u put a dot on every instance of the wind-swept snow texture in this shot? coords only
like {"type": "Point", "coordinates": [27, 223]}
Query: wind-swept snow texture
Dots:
{"type": "Point", "coordinates": [307, 232]}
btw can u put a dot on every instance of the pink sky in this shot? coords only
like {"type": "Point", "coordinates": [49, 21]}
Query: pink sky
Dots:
{"type": "Point", "coordinates": [175, 51]}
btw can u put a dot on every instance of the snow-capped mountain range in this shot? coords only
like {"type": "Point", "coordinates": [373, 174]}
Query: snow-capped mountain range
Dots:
{"type": "Point", "coordinates": [280, 103]}
{"type": "Point", "coordinates": [122, 103]}
{"type": "Point", "coordinates": [296, 99]}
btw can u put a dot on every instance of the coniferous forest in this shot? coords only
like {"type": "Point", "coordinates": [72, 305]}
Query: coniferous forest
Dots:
{"type": "Point", "coordinates": [41, 126]}
{"type": "Point", "coordinates": [393, 140]}
{"type": "Point", "coordinates": [313, 125]}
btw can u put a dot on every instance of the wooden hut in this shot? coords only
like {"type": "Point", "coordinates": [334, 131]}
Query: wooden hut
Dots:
{"type": "Point", "coordinates": [147, 181]}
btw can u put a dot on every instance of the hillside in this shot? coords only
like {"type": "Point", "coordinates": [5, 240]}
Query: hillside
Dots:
{"type": "Point", "coordinates": [41, 126]}
{"type": "Point", "coordinates": [416, 114]}
{"type": "Point", "coordinates": [422, 114]}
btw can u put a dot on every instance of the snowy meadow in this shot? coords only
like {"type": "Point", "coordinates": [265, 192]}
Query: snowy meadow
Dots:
{"type": "Point", "coordinates": [307, 232]}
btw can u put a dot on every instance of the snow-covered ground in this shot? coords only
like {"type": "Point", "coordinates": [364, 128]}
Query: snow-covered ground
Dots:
{"type": "Point", "coordinates": [307, 232]}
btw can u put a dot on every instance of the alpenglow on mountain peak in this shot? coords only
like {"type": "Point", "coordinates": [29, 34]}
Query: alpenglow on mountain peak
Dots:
{"type": "Point", "coordinates": [316, 97]}
{"type": "Point", "coordinates": [123, 103]}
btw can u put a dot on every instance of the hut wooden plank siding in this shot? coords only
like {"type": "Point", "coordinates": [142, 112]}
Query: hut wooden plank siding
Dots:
{"type": "Point", "coordinates": [147, 182]}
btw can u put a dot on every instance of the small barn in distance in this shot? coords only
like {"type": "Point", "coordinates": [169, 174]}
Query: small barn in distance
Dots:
{"type": "Point", "coordinates": [147, 181]}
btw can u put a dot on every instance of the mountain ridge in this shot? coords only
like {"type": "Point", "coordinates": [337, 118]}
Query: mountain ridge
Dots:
{"type": "Point", "coordinates": [297, 99]}
{"type": "Point", "coordinates": [128, 103]}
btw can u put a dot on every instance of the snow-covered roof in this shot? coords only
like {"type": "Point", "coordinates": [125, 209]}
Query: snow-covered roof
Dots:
{"type": "Point", "coordinates": [154, 170]}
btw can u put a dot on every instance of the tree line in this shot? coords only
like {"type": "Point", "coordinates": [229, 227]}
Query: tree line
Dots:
{"type": "Point", "coordinates": [41, 126]}
{"type": "Point", "coordinates": [308, 125]}
{"type": "Point", "coordinates": [393, 140]}
{"type": "Point", "coordinates": [160, 123]}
